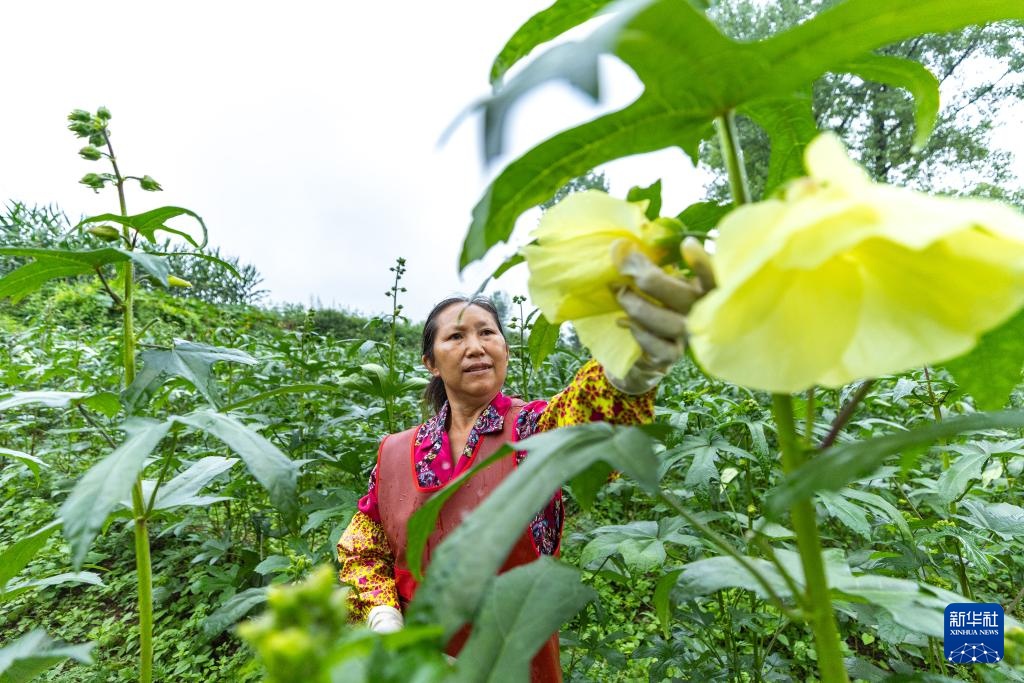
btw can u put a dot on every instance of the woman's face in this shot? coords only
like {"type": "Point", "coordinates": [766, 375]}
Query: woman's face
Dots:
{"type": "Point", "coordinates": [470, 355]}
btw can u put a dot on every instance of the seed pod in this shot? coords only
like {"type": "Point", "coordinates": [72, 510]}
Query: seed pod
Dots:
{"type": "Point", "coordinates": [107, 233]}
{"type": "Point", "coordinates": [148, 184]}
{"type": "Point", "coordinates": [80, 115]}
{"type": "Point", "coordinates": [90, 153]}
{"type": "Point", "coordinates": [93, 180]}
{"type": "Point", "coordinates": [103, 114]}
{"type": "Point", "coordinates": [175, 281]}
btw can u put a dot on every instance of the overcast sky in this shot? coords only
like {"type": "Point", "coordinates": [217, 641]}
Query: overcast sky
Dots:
{"type": "Point", "coordinates": [305, 134]}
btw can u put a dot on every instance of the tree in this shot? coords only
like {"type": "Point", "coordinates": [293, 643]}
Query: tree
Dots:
{"type": "Point", "coordinates": [591, 180]}
{"type": "Point", "coordinates": [980, 71]}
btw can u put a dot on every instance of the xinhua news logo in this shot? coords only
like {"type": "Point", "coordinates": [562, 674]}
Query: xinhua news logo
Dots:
{"type": "Point", "coordinates": [974, 633]}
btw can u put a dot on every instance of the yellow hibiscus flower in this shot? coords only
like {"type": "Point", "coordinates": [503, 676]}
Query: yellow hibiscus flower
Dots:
{"type": "Point", "coordinates": [573, 273]}
{"type": "Point", "coordinates": [844, 278]}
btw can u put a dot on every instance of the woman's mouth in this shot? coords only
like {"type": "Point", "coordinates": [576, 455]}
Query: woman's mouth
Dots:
{"type": "Point", "coordinates": [480, 367]}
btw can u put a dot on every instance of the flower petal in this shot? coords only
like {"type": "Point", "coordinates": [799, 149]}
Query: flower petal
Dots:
{"type": "Point", "coordinates": [613, 346]}
{"type": "Point", "coordinates": [590, 211]}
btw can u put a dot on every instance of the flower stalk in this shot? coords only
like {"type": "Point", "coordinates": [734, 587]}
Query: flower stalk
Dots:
{"type": "Point", "coordinates": [816, 598]}
{"type": "Point", "coordinates": [805, 525]}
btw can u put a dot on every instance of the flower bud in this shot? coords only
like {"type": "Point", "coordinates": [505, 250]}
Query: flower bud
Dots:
{"type": "Point", "coordinates": [80, 115]}
{"type": "Point", "coordinates": [148, 184]}
{"type": "Point", "coordinates": [107, 233]}
{"type": "Point", "coordinates": [93, 180]}
{"type": "Point", "coordinates": [96, 139]}
{"type": "Point", "coordinates": [90, 153]}
{"type": "Point", "coordinates": [80, 129]}
{"type": "Point", "coordinates": [175, 281]}
{"type": "Point", "coordinates": [103, 114]}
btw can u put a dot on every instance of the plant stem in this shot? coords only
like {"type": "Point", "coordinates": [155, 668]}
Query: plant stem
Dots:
{"type": "Point", "coordinates": [845, 414]}
{"type": "Point", "coordinates": [144, 571]}
{"type": "Point", "coordinates": [733, 156]}
{"type": "Point", "coordinates": [805, 524]}
{"type": "Point", "coordinates": [143, 562]}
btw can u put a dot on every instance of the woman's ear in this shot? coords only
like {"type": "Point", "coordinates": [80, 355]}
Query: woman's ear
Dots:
{"type": "Point", "coordinates": [431, 368]}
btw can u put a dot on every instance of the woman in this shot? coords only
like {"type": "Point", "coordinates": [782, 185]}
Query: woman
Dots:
{"type": "Point", "coordinates": [465, 350]}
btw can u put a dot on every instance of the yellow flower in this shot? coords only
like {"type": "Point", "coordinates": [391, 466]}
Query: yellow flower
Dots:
{"type": "Point", "coordinates": [845, 278]}
{"type": "Point", "coordinates": [573, 275]}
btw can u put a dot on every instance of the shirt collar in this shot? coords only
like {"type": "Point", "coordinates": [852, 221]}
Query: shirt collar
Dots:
{"type": "Point", "coordinates": [490, 421]}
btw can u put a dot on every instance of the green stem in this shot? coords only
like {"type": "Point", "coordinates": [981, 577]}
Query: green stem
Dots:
{"type": "Point", "coordinates": [805, 524]}
{"type": "Point", "coordinates": [143, 562]}
{"type": "Point", "coordinates": [144, 571]}
{"type": "Point", "coordinates": [733, 156]}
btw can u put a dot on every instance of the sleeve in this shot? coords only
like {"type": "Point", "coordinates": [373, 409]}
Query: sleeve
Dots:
{"type": "Point", "coordinates": [590, 397]}
{"type": "Point", "coordinates": [367, 566]}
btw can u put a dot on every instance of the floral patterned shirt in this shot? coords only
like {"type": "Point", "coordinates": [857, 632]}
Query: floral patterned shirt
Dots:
{"type": "Point", "coordinates": [367, 563]}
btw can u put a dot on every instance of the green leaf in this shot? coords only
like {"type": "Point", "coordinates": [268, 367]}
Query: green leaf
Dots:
{"type": "Point", "coordinates": [34, 653]}
{"type": "Point", "coordinates": [847, 512]}
{"type": "Point", "coordinates": [543, 339]}
{"type": "Point", "coordinates": [271, 468]}
{"type": "Point", "coordinates": [991, 370]}
{"type": "Point", "coordinates": [273, 565]}
{"type": "Point", "coordinates": [467, 560]}
{"type": "Point", "coordinates": [424, 521]}
{"type": "Point", "coordinates": [651, 193]}
{"type": "Point", "coordinates": [848, 462]}
{"type": "Point", "coordinates": [106, 483]}
{"type": "Point", "coordinates": [1004, 519]}
{"type": "Point", "coordinates": [789, 123]}
{"type": "Point", "coordinates": [184, 488]}
{"type": "Point", "coordinates": [280, 391]}
{"type": "Point", "coordinates": [233, 609]}
{"type": "Point", "coordinates": [48, 264]}
{"type": "Point", "coordinates": [703, 216]}
{"type": "Point", "coordinates": [542, 27]}
{"type": "Point", "coordinates": [17, 555]}
{"type": "Point", "coordinates": [149, 222]}
{"type": "Point", "coordinates": [30, 461]}
{"type": "Point", "coordinates": [16, 588]}
{"type": "Point", "coordinates": [522, 609]}
{"type": "Point", "coordinates": [189, 361]}
{"type": "Point", "coordinates": [50, 399]}
{"type": "Point", "coordinates": [103, 402]}
{"type": "Point", "coordinates": [508, 264]}
{"type": "Point", "coordinates": [662, 600]}
{"type": "Point", "coordinates": [883, 506]}
{"type": "Point", "coordinates": [691, 74]}
{"type": "Point", "coordinates": [955, 481]}
{"type": "Point", "coordinates": [908, 74]}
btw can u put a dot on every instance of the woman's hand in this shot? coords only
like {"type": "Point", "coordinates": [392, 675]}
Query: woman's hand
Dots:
{"type": "Point", "coordinates": [657, 318]}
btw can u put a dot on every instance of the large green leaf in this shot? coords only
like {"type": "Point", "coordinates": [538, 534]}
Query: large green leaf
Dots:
{"type": "Point", "coordinates": [29, 460]}
{"type": "Point", "coordinates": [16, 556]}
{"type": "Point", "coordinates": [190, 361]}
{"type": "Point", "coordinates": [520, 611]}
{"type": "Point", "coordinates": [149, 222]}
{"type": "Point", "coordinates": [34, 653]}
{"type": "Point", "coordinates": [233, 609]}
{"type": "Point", "coordinates": [106, 483]}
{"type": "Point", "coordinates": [424, 521]}
{"type": "Point", "coordinates": [48, 264]}
{"type": "Point", "coordinates": [641, 543]}
{"type": "Point", "coordinates": [848, 462]}
{"type": "Point", "coordinates": [184, 488]}
{"type": "Point", "coordinates": [1004, 519]}
{"type": "Point", "coordinates": [50, 399]}
{"type": "Point", "coordinates": [16, 588]}
{"type": "Point", "coordinates": [991, 370]}
{"type": "Point", "coordinates": [789, 123]}
{"type": "Point", "coordinates": [542, 27]}
{"type": "Point", "coordinates": [918, 607]}
{"type": "Point", "coordinates": [692, 74]}
{"type": "Point", "coordinates": [913, 76]}
{"type": "Point", "coordinates": [265, 461]}
{"type": "Point", "coordinates": [467, 560]}
{"type": "Point", "coordinates": [955, 481]}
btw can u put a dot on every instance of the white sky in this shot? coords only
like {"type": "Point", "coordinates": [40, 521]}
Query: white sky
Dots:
{"type": "Point", "coordinates": [304, 133]}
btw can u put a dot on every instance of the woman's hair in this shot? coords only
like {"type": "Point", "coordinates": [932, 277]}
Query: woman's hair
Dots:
{"type": "Point", "coordinates": [435, 394]}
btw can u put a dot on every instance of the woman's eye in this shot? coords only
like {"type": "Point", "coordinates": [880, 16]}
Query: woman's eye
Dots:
{"type": "Point", "coordinates": [455, 335]}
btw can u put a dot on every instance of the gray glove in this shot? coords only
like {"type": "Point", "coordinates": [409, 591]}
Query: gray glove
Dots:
{"type": "Point", "coordinates": [385, 619]}
{"type": "Point", "coordinates": [657, 315]}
